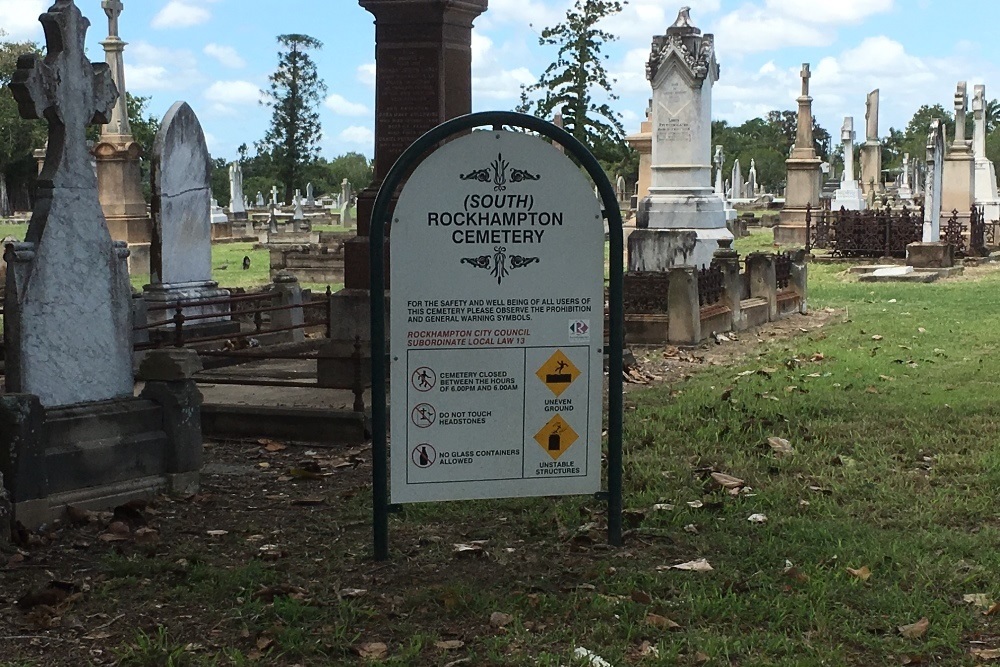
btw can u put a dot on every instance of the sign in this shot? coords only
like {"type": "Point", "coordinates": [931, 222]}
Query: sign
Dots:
{"type": "Point", "coordinates": [496, 324]}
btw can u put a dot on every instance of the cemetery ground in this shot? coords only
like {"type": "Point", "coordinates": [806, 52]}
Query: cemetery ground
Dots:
{"type": "Point", "coordinates": [820, 492]}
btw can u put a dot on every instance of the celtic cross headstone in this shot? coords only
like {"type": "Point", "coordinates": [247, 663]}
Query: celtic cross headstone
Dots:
{"type": "Point", "coordinates": [68, 308]}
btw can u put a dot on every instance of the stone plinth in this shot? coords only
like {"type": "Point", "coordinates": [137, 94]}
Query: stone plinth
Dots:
{"type": "Point", "coordinates": [930, 255]}
{"type": "Point", "coordinates": [849, 197]}
{"type": "Point", "coordinates": [423, 52]}
{"type": "Point", "coordinates": [119, 187]}
{"type": "Point", "coordinates": [871, 167]}
{"type": "Point", "coordinates": [642, 143]}
{"type": "Point", "coordinates": [958, 184]}
{"type": "Point", "coordinates": [681, 202]}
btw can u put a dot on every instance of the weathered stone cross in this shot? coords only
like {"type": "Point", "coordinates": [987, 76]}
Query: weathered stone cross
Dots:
{"type": "Point", "coordinates": [113, 8]}
{"type": "Point", "coordinates": [805, 79]}
{"type": "Point", "coordinates": [69, 92]}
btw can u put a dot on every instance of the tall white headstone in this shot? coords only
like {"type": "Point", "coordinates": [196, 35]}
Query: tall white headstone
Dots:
{"type": "Point", "coordinates": [933, 182]}
{"type": "Point", "coordinates": [986, 176]}
{"type": "Point", "coordinates": [682, 219]}
{"type": "Point", "coordinates": [68, 319]}
{"type": "Point", "coordinates": [236, 205]}
{"type": "Point", "coordinates": [310, 199]}
{"type": "Point", "coordinates": [848, 196]}
{"type": "Point", "coordinates": [751, 186]}
{"type": "Point", "coordinates": [181, 253]}
{"type": "Point", "coordinates": [737, 180]}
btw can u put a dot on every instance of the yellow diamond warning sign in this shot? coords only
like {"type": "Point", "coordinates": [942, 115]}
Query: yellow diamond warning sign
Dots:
{"type": "Point", "coordinates": [556, 437]}
{"type": "Point", "coordinates": [558, 372]}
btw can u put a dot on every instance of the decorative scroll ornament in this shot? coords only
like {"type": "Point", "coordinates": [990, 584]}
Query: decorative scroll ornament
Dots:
{"type": "Point", "coordinates": [500, 173]}
{"type": "Point", "coordinates": [685, 42]}
{"type": "Point", "coordinates": [500, 263]}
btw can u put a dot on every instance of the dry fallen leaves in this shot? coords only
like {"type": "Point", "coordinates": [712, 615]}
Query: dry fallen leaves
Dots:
{"type": "Point", "coordinates": [498, 619]}
{"type": "Point", "coordinates": [372, 650]}
{"type": "Point", "coordinates": [862, 573]}
{"type": "Point", "coordinates": [727, 481]}
{"type": "Point", "coordinates": [986, 653]}
{"type": "Point", "coordinates": [697, 565]}
{"type": "Point", "coordinates": [449, 644]}
{"type": "Point", "coordinates": [978, 599]}
{"type": "Point", "coordinates": [757, 518]}
{"type": "Point", "coordinates": [661, 622]}
{"type": "Point", "coordinates": [780, 446]}
{"type": "Point", "coordinates": [915, 630]}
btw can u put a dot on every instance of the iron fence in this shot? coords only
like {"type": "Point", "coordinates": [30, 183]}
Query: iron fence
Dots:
{"type": "Point", "coordinates": [711, 284]}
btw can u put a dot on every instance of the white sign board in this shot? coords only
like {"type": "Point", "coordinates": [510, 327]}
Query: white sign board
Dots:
{"type": "Point", "coordinates": [496, 324]}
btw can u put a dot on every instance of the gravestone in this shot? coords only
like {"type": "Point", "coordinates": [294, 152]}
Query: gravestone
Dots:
{"type": "Point", "coordinates": [71, 431]}
{"type": "Point", "coordinates": [310, 199]}
{"type": "Point", "coordinates": [423, 53]}
{"type": "Point", "coordinates": [298, 213]}
{"type": "Point", "coordinates": [181, 174]}
{"type": "Point", "coordinates": [237, 206]}
{"type": "Point", "coordinates": [274, 195]}
{"type": "Point", "coordinates": [751, 186]}
{"type": "Point", "coordinates": [118, 155]}
{"type": "Point", "coordinates": [737, 181]}
{"type": "Point", "coordinates": [68, 320]}
{"type": "Point", "coordinates": [682, 220]}
{"type": "Point", "coordinates": [986, 175]}
{"type": "Point", "coordinates": [272, 220]}
{"type": "Point", "coordinates": [803, 168]}
{"type": "Point", "coordinates": [642, 143]}
{"type": "Point", "coordinates": [871, 150]}
{"type": "Point", "coordinates": [959, 178]}
{"type": "Point", "coordinates": [931, 251]}
{"type": "Point", "coordinates": [848, 196]}
{"type": "Point", "coordinates": [260, 199]}
{"type": "Point", "coordinates": [905, 192]}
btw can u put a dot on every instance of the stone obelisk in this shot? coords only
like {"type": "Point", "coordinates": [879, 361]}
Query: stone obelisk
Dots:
{"type": "Point", "coordinates": [986, 175]}
{"type": "Point", "coordinates": [803, 167]}
{"type": "Point", "coordinates": [682, 220]}
{"type": "Point", "coordinates": [871, 150]}
{"type": "Point", "coordinates": [119, 179]}
{"type": "Point", "coordinates": [848, 195]}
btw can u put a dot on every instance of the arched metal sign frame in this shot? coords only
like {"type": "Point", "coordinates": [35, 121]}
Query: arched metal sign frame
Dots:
{"type": "Point", "coordinates": [411, 157]}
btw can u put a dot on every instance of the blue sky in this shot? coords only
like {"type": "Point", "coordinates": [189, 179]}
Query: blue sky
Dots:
{"type": "Point", "coordinates": [217, 54]}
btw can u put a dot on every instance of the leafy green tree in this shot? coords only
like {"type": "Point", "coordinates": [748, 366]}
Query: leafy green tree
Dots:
{"type": "Point", "coordinates": [220, 181]}
{"type": "Point", "coordinates": [18, 137]}
{"type": "Point", "coordinates": [569, 85]}
{"type": "Point", "coordinates": [144, 128]}
{"type": "Point", "coordinates": [296, 90]}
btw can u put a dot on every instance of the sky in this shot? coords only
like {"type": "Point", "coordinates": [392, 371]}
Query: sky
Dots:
{"type": "Point", "coordinates": [217, 54]}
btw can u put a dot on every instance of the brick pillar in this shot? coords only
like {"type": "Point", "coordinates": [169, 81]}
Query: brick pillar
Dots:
{"type": "Point", "coordinates": [729, 261]}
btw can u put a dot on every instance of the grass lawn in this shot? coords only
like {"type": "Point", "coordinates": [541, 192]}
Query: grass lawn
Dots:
{"type": "Point", "coordinates": [879, 545]}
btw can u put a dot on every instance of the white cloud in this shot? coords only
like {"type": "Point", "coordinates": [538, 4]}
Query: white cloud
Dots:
{"type": "Point", "coordinates": [341, 106]}
{"type": "Point", "coordinates": [151, 68]}
{"type": "Point", "coordinates": [536, 12]}
{"type": "Point", "coordinates": [366, 74]}
{"type": "Point", "coordinates": [841, 12]}
{"type": "Point", "coordinates": [490, 79]}
{"type": "Point", "coordinates": [182, 14]}
{"type": "Point", "coordinates": [229, 97]}
{"type": "Point", "coordinates": [19, 18]}
{"type": "Point", "coordinates": [752, 29]}
{"type": "Point", "coordinates": [226, 55]}
{"type": "Point", "coordinates": [640, 20]}
{"type": "Point", "coordinates": [357, 134]}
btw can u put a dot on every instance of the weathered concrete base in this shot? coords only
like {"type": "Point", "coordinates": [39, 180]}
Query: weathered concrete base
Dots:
{"type": "Point", "coordinates": [646, 329]}
{"type": "Point", "coordinates": [930, 255]}
{"type": "Point", "coordinates": [789, 232]}
{"type": "Point", "coordinates": [351, 316]}
{"type": "Point", "coordinates": [664, 249]}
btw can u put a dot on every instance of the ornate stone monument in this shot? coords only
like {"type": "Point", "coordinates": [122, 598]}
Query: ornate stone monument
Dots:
{"type": "Point", "coordinates": [423, 52]}
{"type": "Point", "coordinates": [719, 159]}
{"type": "Point", "coordinates": [68, 311]}
{"type": "Point", "coordinates": [931, 252]}
{"type": "Point", "coordinates": [642, 142]}
{"type": "Point", "coordinates": [986, 176]}
{"type": "Point", "coordinates": [119, 177]}
{"type": "Point", "coordinates": [237, 207]}
{"type": "Point", "coordinates": [871, 150]}
{"type": "Point", "coordinates": [71, 431]}
{"type": "Point", "coordinates": [959, 180]}
{"type": "Point", "coordinates": [848, 196]}
{"type": "Point", "coordinates": [803, 167]}
{"type": "Point", "coordinates": [682, 220]}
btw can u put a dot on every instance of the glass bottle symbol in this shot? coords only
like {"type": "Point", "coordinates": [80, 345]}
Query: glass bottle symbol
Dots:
{"type": "Point", "coordinates": [424, 459]}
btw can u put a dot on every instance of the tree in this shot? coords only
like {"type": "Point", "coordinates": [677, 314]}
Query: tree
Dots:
{"type": "Point", "coordinates": [18, 137]}
{"type": "Point", "coordinates": [144, 129]}
{"type": "Point", "coordinates": [296, 90]}
{"type": "Point", "coordinates": [569, 84]}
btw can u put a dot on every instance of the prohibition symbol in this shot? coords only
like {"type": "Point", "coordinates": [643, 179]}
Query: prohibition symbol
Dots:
{"type": "Point", "coordinates": [423, 415]}
{"type": "Point", "coordinates": [423, 379]}
{"type": "Point", "coordinates": [558, 372]}
{"type": "Point", "coordinates": [423, 455]}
